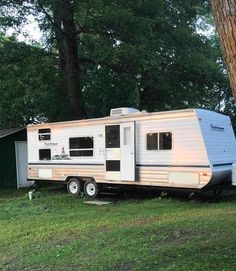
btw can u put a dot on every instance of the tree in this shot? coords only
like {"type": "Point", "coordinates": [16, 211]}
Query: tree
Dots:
{"type": "Point", "coordinates": [29, 88]}
{"type": "Point", "coordinates": [224, 12]}
{"type": "Point", "coordinates": [63, 22]}
{"type": "Point", "coordinates": [159, 63]}
{"type": "Point", "coordinates": [58, 15]}
{"type": "Point", "coordinates": [147, 54]}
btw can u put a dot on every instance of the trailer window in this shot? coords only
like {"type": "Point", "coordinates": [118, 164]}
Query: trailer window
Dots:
{"type": "Point", "coordinates": [165, 141]}
{"type": "Point", "coordinates": [45, 154]}
{"type": "Point", "coordinates": [81, 146]}
{"type": "Point", "coordinates": [44, 134]}
{"type": "Point", "coordinates": [127, 136]}
{"type": "Point", "coordinates": [159, 141]}
{"type": "Point", "coordinates": [113, 136]}
{"type": "Point", "coordinates": [152, 141]}
{"type": "Point", "coordinates": [113, 165]}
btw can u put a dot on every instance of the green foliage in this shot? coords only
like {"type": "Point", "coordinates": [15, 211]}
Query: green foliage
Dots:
{"type": "Point", "coordinates": [149, 54]}
{"type": "Point", "coordinates": [59, 232]}
{"type": "Point", "coordinates": [146, 54]}
{"type": "Point", "coordinates": [29, 88]}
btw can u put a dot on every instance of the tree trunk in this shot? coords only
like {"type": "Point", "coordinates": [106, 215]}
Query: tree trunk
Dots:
{"type": "Point", "coordinates": [57, 18]}
{"type": "Point", "coordinates": [224, 12]}
{"type": "Point", "coordinates": [68, 50]}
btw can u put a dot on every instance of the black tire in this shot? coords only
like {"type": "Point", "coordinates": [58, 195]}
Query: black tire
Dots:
{"type": "Point", "coordinates": [73, 186]}
{"type": "Point", "coordinates": [90, 189]}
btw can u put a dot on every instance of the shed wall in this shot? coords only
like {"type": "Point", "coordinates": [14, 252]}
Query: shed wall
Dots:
{"type": "Point", "coordinates": [8, 176]}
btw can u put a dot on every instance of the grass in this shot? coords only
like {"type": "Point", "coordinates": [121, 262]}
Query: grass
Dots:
{"type": "Point", "coordinates": [58, 232]}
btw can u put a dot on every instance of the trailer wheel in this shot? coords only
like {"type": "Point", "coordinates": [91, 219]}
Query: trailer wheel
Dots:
{"type": "Point", "coordinates": [90, 189]}
{"type": "Point", "coordinates": [73, 186]}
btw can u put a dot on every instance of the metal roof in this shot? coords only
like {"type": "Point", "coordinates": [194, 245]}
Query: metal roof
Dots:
{"type": "Point", "coordinates": [7, 132]}
{"type": "Point", "coordinates": [132, 116]}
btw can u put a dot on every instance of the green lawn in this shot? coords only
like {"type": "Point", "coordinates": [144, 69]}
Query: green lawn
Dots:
{"type": "Point", "coordinates": [58, 232]}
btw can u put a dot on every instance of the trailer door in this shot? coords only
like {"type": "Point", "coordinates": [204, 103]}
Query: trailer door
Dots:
{"type": "Point", "coordinates": [120, 152]}
{"type": "Point", "coordinates": [127, 132]}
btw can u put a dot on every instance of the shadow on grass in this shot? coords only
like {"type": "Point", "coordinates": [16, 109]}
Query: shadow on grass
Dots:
{"type": "Point", "coordinates": [142, 194]}
{"type": "Point", "coordinates": [139, 194]}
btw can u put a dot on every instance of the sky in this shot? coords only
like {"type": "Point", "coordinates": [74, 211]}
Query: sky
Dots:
{"type": "Point", "coordinates": [29, 33]}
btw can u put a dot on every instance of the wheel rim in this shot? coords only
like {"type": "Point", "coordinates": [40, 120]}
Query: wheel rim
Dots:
{"type": "Point", "coordinates": [90, 189]}
{"type": "Point", "coordinates": [73, 187]}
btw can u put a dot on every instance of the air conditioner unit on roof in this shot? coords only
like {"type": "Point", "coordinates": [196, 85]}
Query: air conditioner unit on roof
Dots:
{"type": "Point", "coordinates": [123, 111]}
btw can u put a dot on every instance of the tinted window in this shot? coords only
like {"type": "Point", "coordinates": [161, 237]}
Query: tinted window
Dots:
{"type": "Point", "coordinates": [113, 165]}
{"type": "Point", "coordinates": [44, 131]}
{"type": "Point", "coordinates": [165, 141]}
{"type": "Point", "coordinates": [44, 137]}
{"type": "Point", "coordinates": [44, 134]}
{"type": "Point", "coordinates": [81, 143]}
{"type": "Point", "coordinates": [113, 136]}
{"type": "Point", "coordinates": [45, 154]}
{"type": "Point", "coordinates": [152, 141]}
{"type": "Point", "coordinates": [81, 153]}
{"type": "Point", "coordinates": [81, 146]}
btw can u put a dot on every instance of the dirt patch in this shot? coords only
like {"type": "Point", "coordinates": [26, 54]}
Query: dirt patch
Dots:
{"type": "Point", "coordinates": [180, 236]}
{"type": "Point", "coordinates": [123, 266]}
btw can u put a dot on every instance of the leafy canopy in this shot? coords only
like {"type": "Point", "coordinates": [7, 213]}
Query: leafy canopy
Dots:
{"type": "Point", "coordinates": [147, 54]}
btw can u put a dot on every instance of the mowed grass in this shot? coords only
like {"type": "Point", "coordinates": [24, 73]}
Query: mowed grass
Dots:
{"type": "Point", "coordinates": [58, 232]}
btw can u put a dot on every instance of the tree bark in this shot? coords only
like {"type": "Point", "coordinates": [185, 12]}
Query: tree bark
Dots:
{"type": "Point", "coordinates": [59, 36]}
{"type": "Point", "coordinates": [224, 12]}
{"type": "Point", "coordinates": [66, 35]}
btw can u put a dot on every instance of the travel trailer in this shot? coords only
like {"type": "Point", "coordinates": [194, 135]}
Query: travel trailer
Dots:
{"type": "Point", "coordinates": [191, 149]}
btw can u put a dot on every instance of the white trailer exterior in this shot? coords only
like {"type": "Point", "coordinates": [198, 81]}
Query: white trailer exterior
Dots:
{"type": "Point", "coordinates": [191, 148]}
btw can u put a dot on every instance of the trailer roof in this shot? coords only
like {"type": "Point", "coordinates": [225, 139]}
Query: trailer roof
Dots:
{"type": "Point", "coordinates": [127, 117]}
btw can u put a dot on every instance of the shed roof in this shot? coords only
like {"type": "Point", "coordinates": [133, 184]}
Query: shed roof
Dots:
{"type": "Point", "coordinates": [7, 132]}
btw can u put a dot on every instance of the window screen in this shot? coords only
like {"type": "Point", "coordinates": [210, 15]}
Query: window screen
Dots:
{"type": "Point", "coordinates": [44, 134]}
{"type": "Point", "coordinates": [113, 136]}
{"type": "Point", "coordinates": [81, 146]}
{"type": "Point", "coordinates": [165, 141]}
{"type": "Point", "coordinates": [152, 141]}
{"type": "Point", "coordinates": [45, 154]}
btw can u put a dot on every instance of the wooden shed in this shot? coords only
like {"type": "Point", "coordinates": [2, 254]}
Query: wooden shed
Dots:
{"type": "Point", "coordinates": [13, 158]}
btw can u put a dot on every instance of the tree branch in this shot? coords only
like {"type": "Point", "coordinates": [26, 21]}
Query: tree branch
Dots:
{"type": "Point", "coordinates": [110, 66]}
{"type": "Point", "coordinates": [51, 20]}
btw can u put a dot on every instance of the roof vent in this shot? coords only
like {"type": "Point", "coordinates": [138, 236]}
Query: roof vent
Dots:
{"type": "Point", "coordinates": [122, 111]}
